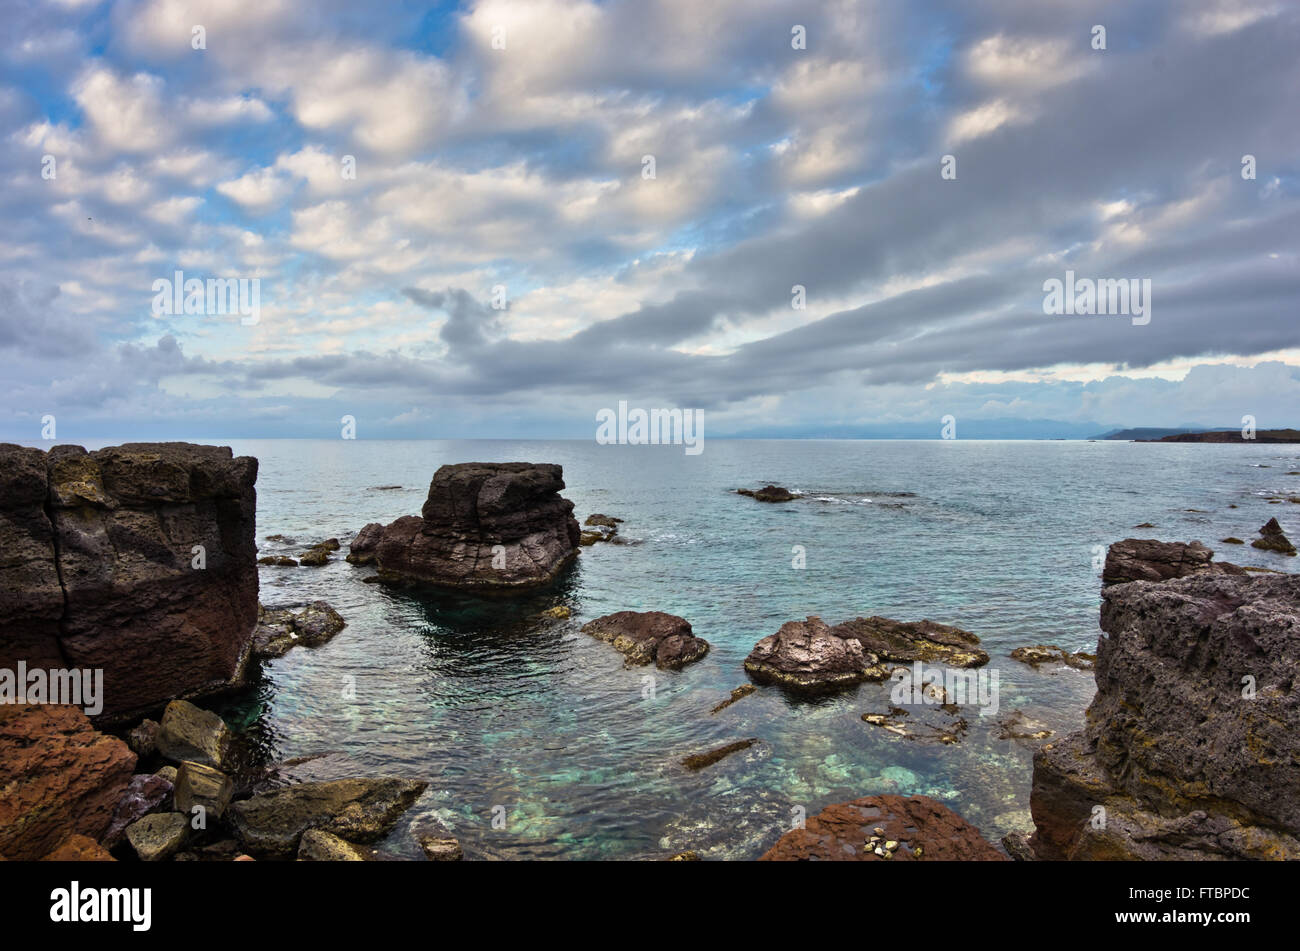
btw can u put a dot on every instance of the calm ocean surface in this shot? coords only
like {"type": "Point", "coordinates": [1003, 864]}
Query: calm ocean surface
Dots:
{"type": "Point", "coordinates": [510, 715]}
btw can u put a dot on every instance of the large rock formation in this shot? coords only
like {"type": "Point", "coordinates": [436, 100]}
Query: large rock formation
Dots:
{"type": "Point", "coordinates": [486, 527]}
{"type": "Point", "coordinates": [880, 828]}
{"type": "Point", "coordinates": [1191, 748]}
{"type": "Point", "coordinates": [59, 776]}
{"type": "Point", "coordinates": [137, 559]}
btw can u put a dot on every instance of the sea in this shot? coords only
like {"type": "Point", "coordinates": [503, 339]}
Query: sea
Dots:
{"type": "Point", "coordinates": [538, 743]}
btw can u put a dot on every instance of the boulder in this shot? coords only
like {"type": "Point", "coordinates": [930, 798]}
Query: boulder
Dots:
{"type": "Point", "coordinates": [145, 793]}
{"type": "Point", "coordinates": [199, 785]}
{"type": "Point", "coordinates": [770, 493]}
{"type": "Point", "coordinates": [809, 657]}
{"type": "Point", "coordinates": [362, 549]}
{"type": "Point", "coordinates": [280, 629]}
{"type": "Point", "coordinates": [158, 836]}
{"type": "Point", "coordinates": [59, 776]}
{"type": "Point", "coordinates": [485, 527]}
{"type": "Point", "coordinates": [79, 848]}
{"type": "Point", "coordinates": [1271, 538]}
{"type": "Point", "coordinates": [649, 637]}
{"type": "Point", "coordinates": [885, 828]}
{"type": "Point", "coordinates": [1145, 559]}
{"type": "Point", "coordinates": [189, 733]}
{"type": "Point", "coordinates": [317, 845]}
{"type": "Point", "coordinates": [358, 810]}
{"type": "Point", "coordinates": [907, 641]}
{"type": "Point", "coordinates": [1205, 764]}
{"type": "Point", "coordinates": [138, 559]}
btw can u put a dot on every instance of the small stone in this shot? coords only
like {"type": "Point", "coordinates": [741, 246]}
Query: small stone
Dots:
{"type": "Point", "coordinates": [158, 836]}
{"type": "Point", "coordinates": [441, 848]}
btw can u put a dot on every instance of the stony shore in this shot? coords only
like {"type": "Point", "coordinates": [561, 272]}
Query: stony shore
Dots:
{"type": "Point", "coordinates": [140, 560]}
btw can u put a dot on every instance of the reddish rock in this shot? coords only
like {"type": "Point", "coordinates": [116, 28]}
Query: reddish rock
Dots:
{"type": "Point", "coordinates": [650, 637]}
{"type": "Point", "coordinates": [145, 793]}
{"type": "Point", "coordinates": [79, 848]}
{"type": "Point", "coordinates": [59, 777]}
{"type": "Point", "coordinates": [919, 827]}
{"type": "Point", "coordinates": [486, 527]}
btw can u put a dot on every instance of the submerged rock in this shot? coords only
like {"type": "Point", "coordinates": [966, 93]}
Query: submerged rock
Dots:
{"type": "Point", "coordinates": [885, 828]}
{"type": "Point", "coordinates": [59, 776]}
{"type": "Point", "coordinates": [770, 493]}
{"type": "Point", "coordinates": [486, 527]}
{"type": "Point", "coordinates": [358, 810]}
{"type": "Point", "coordinates": [650, 637]}
{"type": "Point", "coordinates": [744, 690]}
{"type": "Point", "coordinates": [1192, 743]}
{"type": "Point", "coordinates": [809, 657]}
{"type": "Point", "coordinates": [1051, 654]}
{"type": "Point", "coordinates": [700, 760]}
{"type": "Point", "coordinates": [1272, 539]}
{"type": "Point", "coordinates": [144, 566]}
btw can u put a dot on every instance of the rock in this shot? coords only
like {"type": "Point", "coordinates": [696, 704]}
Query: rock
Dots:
{"type": "Point", "coordinates": [649, 637]}
{"type": "Point", "coordinates": [1050, 653]}
{"type": "Point", "coordinates": [189, 733]}
{"type": "Point", "coordinates": [199, 785]}
{"type": "Point", "coordinates": [770, 493]}
{"type": "Point", "coordinates": [319, 846]}
{"type": "Point", "coordinates": [1144, 559]}
{"type": "Point", "coordinates": [315, 556]}
{"type": "Point", "coordinates": [907, 641]}
{"type": "Point", "coordinates": [1018, 847]}
{"type": "Point", "coordinates": [279, 561]}
{"type": "Point", "coordinates": [144, 566]}
{"type": "Point", "coordinates": [701, 760]}
{"type": "Point", "coordinates": [1018, 726]}
{"type": "Point", "coordinates": [159, 836]}
{"type": "Point", "coordinates": [58, 777]}
{"type": "Point", "coordinates": [143, 738]}
{"type": "Point", "coordinates": [1272, 539]}
{"type": "Point", "coordinates": [145, 793]}
{"type": "Point", "coordinates": [607, 521]}
{"type": "Point", "coordinates": [362, 549]}
{"type": "Point", "coordinates": [809, 657]}
{"type": "Point", "coordinates": [558, 613]}
{"type": "Point", "coordinates": [927, 727]}
{"type": "Point", "coordinates": [744, 690]}
{"type": "Point", "coordinates": [918, 826]}
{"type": "Point", "coordinates": [688, 856]}
{"type": "Point", "coordinates": [168, 773]}
{"type": "Point", "coordinates": [441, 848]}
{"type": "Point", "coordinates": [1205, 764]}
{"type": "Point", "coordinates": [79, 848]}
{"type": "Point", "coordinates": [359, 810]}
{"type": "Point", "coordinates": [280, 629]}
{"type": "Point", "coordinates": [485, 527]}
{"type": "Point", "coordinates": [1231, 540]}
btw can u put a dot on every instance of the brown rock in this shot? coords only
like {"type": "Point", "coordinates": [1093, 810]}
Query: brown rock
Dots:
{"type": "Point", "coordinates": [1272, 539]}
{"type": "Point", "coordinates": [1145, 559]}
{"type": "Point", "coordinates": [809, 657]}
{"type": "Point", "coordinates": [79, 848]}
{"type": "Point", "coordinates": [649, 637]}
{"type": "Point", "coordinates": [362, 549]}
{"type": "Point", "coordinates": [701, 760]}
{"type": "Point", "coordinates": [59, 777]}
{"type": "Point", "coordinates": [919, 827]}
{"type": "Point", "coordinates": [907, 641]}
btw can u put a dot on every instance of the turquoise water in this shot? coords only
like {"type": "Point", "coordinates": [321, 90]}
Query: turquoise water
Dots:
{"type": "Point", "coordinates": [510, 715]}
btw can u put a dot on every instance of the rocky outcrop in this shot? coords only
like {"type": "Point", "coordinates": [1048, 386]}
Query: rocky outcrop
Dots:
{"type": "Point", "coordinates": [770, 493]}
{"type": "Point", "coordinates": [485, 527]}
{"type": "Point", "coordinates": [650, 637]}
{"type": "Point", "coordinates": [813, 657]}
{"type": "Point", "coordinates": [1051, 654]}
{"type": "Point", "coordinates": [1191, 748]}
{"type": "Point", "coordinates": [362, 549]}
{"type": "Point", "coordinates": [358, 810]}
{"type": "Point", "coordinates": [808, 657]}
{"type": "Point", "coordinates": [1271, 538]}
{"type": "Point", "coordinates": [138, 559]}
{"type": "Point", "coordinates": [191, 734]}
{"type": "Point", "coordinates": [885, 828]}
{"type": "Point", "coordinates": [59, 776]}
{"type": "Point", "coordinates": [1145, 559]}
{"type": "Point", "coordinates": [279, 629]}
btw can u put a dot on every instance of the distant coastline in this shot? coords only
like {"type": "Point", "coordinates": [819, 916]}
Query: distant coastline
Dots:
{"type": "Point", "coordinates": [1233, 435]}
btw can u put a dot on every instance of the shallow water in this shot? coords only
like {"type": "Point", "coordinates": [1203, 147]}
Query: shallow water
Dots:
{"type": "Point", "coordinates": [512, 716]}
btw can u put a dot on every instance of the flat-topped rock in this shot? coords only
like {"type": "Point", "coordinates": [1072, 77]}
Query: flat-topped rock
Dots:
{"type": "Point", "coordinates": [885, 828]}
{"type": "Point", "coordinates": [1145, 559]}
{"type": "Point", "coordinates": [908, 641]}
{"type": "Point", "coordinates": [650, 637]}
{"type": "Point", "coordinates": [807, 656]}
{"type": "Point", "coordinates": [485, 527]}
{"type": "Point", "coordinates": [137, 559]}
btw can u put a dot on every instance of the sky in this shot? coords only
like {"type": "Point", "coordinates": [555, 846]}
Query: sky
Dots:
{"type": "Point", "coordinates": [497, 218]}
